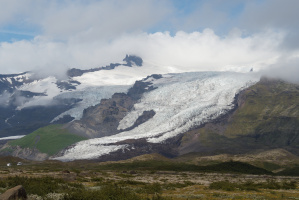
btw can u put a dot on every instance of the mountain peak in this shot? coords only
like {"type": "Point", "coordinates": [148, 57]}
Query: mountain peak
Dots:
{"type": "Point", "coordinates": [132, 58]}
{"type": "Point", "coordinates": [129, 59]}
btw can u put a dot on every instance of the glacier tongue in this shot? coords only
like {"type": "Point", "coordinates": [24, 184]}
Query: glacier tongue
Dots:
{"type": "Point", "coordinates": [181, 102]}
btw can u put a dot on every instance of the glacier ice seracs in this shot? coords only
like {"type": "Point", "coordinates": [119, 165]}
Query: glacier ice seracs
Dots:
{"type": "Point", "coordinates": [181, 102]}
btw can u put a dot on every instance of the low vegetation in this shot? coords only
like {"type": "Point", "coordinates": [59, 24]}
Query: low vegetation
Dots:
{"type": "Point", "coordinates": [226, 167]}
{"type": "Point", "coordinates": [294, 171]}
{"type": "Point", "coordinates": [144, 180]}
{"type": "Point", "coordinates": [250, 185]}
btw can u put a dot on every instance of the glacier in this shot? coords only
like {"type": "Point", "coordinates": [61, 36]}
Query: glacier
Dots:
{"type": "Point", "coordinates": [181, 102]}
{"type": "Point", "coordinates": [92, 87]}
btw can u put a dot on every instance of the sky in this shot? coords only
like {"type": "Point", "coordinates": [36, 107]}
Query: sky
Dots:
{"type": "Point", "coordinates": [193, 35]}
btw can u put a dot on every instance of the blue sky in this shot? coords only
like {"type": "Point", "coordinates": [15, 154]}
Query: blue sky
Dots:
{"type": "Point", "coordinates": [58, 34]}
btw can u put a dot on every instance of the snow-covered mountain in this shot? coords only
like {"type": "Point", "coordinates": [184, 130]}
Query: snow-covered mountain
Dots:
{"type": "Point", "coordinates": [124, 109]}
{"type": "Point", "coordinates": [136, 107]}
{"type": "Point", "coordinates": [25, 97]}
{"type": "Point", "coordinates": [179, 102]}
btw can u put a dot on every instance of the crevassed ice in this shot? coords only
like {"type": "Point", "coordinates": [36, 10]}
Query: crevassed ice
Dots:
{"type": "Point", "coordinates": [181, 102]}
{"type": "Point", "coordinates": [88, 151]}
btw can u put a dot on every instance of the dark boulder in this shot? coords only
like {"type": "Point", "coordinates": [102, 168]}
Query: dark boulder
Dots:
{"type": "Point", "coordinates": [16, 193]}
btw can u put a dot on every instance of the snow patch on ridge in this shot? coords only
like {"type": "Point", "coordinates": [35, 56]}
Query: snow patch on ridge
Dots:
{"type": "Point", "coordinates": [181, 102]}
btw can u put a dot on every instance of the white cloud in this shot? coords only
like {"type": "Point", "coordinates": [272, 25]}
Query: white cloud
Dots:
{"type": "Point", "coordinates": [196, 51]}
{"type": "Point", "coordinates": [61, 19]}
{"type": "Point", "coordinates": [92, 33]}
{"type": "Point", "coordinates": [286, 68]}
{"type": "Point", "coordinates": [103, 19]}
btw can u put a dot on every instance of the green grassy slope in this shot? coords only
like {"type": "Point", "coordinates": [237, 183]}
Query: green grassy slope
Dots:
{"type": "Point", "coordinates": [290, 172]}
{"type": "Point", "coordinates": [267, 118]}
{"type": "Point", "coordinates": [270, 106]}
{"type": "Point", "coordinates": [225, 167]}
{"type": "Point", "coordinates": [50, 139]}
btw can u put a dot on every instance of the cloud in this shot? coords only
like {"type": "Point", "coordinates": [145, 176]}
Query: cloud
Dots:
{"type": "Point", "coordinates": [61, 19]}
{"type": "Point", "coordinates": [11, 10]}
{"type": "Point", "coordinates": [196, 51]}
{"type": "Point", "coordinates": [286, 68]}
{"type": "Point", "coordinates": [4, 99]}
{"type": "Point", "coordinates": [213, 14]}
{"type": "Point", "coordinates": [103, 19]}
{"type": "Point", "coordinates": [204, 35]}
{"type": "Point", "coordinates": [272, 14]}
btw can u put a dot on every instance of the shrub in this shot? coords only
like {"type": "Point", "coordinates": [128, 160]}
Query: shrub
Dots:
{"type": "Point", "coordinates": [249, 185]}
{"type": "Point", "coordinates": [107, 192]}
{"type": "Point", "coordinates": [2, 184]}
{"type": "Point", "coordinates": [154, 188]}
{"type": "Point", "coordinates": [39, 186]}
{"type": "Point", "coordinates": [171, 186]}
{"type": "Point", "coordinates": [223, 185]}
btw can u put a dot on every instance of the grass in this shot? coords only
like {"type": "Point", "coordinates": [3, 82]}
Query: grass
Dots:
{"type": "Point", "coordinates": [225, 167]}
{"type": "Point", "coordinates": [50, 139]}
{"type": "Point", "coordinates": [106, 192]}
{"type": "Point", "coordinates": [264, 105]}
{"type": "Point", "coordinates": [290, 172]}
{"type": "Point", "coordinates": [92, 182]}
{"type": "Point", "coordinates": [38, 186]}
{"type": "Point", "coordinates": [249, 185]}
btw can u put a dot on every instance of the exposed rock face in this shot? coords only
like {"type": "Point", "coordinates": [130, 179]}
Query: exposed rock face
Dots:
{"type": "Point", "coordinates": [146, 115]}
{"type": "Point", "coordinates": [129, 59]}
{"type": "Point", "coordinates": [102, 120]}
{"type": "Point", "coordinates": [16, 193]}
{"type": "Point", "coordinates": [25, 153]}
{"type": "Point", "coordinates": [140, 87]}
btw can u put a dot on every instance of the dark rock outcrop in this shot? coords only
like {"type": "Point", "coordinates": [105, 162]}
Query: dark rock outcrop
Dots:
{"type": "Point", "coordinates": [129, 59]}
{"type": "Point", "coordinates": [103, 119]}
{"type": "Point", "coordinates": [16, 193]}
{"type": "Point", "coordinates": [146, 115]}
